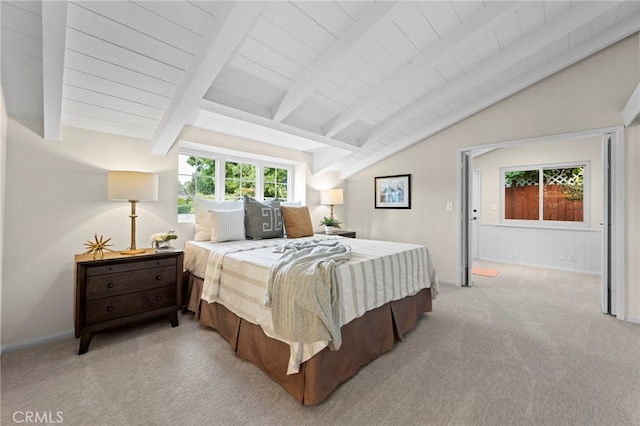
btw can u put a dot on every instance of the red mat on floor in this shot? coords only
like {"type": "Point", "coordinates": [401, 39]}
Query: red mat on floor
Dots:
{"type": "Point", "coordinates": [484, 272]}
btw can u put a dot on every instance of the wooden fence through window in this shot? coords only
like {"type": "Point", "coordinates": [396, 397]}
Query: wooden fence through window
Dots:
{"type": "Point", "coordinates": [522, 202]}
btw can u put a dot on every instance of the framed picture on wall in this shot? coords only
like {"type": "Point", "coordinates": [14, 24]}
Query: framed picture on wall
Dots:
{"type": "Point", "coordinates": [393, 192]}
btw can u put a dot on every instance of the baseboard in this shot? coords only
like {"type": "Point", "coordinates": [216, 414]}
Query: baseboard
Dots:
{"type": "Point", "coordinates": [36, 341]}
{"type": "Point", "coordinates": [555, 268]}
{"type": "Point", "coordinates": [633, 320]}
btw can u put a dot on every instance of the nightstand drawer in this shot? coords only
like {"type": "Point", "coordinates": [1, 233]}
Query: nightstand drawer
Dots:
{"type": "Point", "coordinates": [128, 266]}
{"type": "Point", "coordinates": [129, 304]}
{"type": "Point", "coordinates": [99, 286]}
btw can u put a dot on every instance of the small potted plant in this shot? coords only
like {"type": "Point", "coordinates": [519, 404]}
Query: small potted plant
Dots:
{"type": "Point", "coordinates": [162, 240]}
{"type": "Point", "coordinates": [330, 224]}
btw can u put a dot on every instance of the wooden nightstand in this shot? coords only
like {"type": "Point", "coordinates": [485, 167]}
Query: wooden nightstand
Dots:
{"type": "Point", "coordinates": [122, 289]}
{"type": "Point", "coordinates": [342, 233]}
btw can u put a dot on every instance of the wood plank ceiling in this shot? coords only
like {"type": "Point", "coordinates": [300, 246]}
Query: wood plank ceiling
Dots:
{"type": "Point", "coordinates": [350, 82]}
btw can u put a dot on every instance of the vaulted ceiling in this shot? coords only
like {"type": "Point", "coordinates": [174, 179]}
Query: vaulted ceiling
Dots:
{"type": "Point", "coordinates": [350, 82]}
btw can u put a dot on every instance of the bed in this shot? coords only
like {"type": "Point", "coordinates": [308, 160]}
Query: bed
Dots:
{"type": "Point", "coordinates": [383, 289]}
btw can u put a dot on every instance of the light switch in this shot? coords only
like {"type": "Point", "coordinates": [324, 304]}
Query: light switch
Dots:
{"type": "Point", "coordinates": [493, 207]}
{"type": "Point", "coordinates": [449, 205]}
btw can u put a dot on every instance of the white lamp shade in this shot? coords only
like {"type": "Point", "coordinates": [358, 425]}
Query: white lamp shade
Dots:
{"type": "Point", "coordinates": [132, 186]}
{"type": "Point", "coordinates": [331, 197]}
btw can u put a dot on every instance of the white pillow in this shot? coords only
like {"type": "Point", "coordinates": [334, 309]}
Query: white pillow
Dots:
{"type": "Point", "coordinates": [291, 203]}
{"type": "Point", "coordinates": [203, 217]}
{"type": "Point", "coordinates": [227, 225]}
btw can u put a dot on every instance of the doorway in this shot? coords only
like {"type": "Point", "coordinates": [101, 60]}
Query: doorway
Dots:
{"type": "Point", "coordinates": [612, 225]}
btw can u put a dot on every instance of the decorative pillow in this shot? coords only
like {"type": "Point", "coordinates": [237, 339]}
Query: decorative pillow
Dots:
{"type": "Point", "coordinates": [262, 220]}
{"type": "Point", "coordinates": [291, 203]}
{"type": "Point", "coordinates": [297, 221]}
{"type": "Point", "coordinates": [203, 217]}
{"type": "Point", "coordinates": [227, 225]}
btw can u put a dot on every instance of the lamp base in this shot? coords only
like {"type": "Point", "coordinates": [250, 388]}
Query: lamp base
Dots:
{"type": "Point", "coordinates": [138, 251]}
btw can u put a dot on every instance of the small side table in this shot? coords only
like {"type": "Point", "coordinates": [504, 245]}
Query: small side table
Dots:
{"type": "Point", "coordinates": [343, 233]}
{"type": "Point", "coordinates": [120, 289]}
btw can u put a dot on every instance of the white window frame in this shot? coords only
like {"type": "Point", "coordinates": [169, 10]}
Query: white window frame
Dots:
{"type": "Point", "coordinates": [586, 198]}
{"type": "Point", "coordinates": [287, 167]}
{"type": "Point", "coordinates": [220, 177]}
{"type": "Point", "coordinates": [203, 156]}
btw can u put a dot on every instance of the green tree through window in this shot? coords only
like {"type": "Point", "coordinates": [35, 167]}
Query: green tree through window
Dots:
{"type": "Point", "coordinates": [196, 177]}
{"type": "Point", "coordinates": [275, 183]}
{"type": "Point", "coordinates": [239, 180]}
{"type": "Point", "coordinates": [215, 178]}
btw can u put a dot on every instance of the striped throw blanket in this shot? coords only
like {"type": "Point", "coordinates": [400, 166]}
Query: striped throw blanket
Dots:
{"type": "Point", "coordinates": [302, 291]}
{"type": "Point", "coordinates": [213, 270]}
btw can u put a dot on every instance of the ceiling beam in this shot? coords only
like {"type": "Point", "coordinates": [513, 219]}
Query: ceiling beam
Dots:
{"type": "Point", "coordinates": [632, 110]}
{"type": "Point", "coordinates": [324, 158]}
{"type": "Point", "coordinates": [608, 37]}
{"type": "Point", "coordinates": [580, 14]}
{"type": "Point", "coordinates": [482, 20]}
{"type": "Point", "coordinates": [227, 111]}
{"type": "Point", "coordinates": [305, 85]}
{"type": "Point", "coordinates": [54, 35]}
{"type": "Point", "coordinates": [218, 45]}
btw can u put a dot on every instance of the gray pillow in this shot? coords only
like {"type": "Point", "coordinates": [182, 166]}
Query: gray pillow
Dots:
{"type": "Point", "coordinates": [262, 220]}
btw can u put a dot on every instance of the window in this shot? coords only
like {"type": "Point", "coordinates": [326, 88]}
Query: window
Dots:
{"type": "Point", "coordinates": [560, 198]}
{"type": "Point", "coordinates": [239, 180]}
{"type": "Point", "coordinates": [522, 195]}
{"type": "Point", "coordinates": [196, 177]}
{"type": "Point", "coordinates": [275, 183]}
{"type": "Point", "coordinates": [220, 178]}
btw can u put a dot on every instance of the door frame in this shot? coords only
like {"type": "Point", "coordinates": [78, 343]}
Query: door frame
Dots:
{"type": "Point", "coordinates": [615, 252]}
{"type": "Point", "coordinates": [476, 196]}
{"type": "Point", "coordinates": [465, 180]}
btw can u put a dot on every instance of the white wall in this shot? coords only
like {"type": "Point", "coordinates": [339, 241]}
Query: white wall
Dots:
{"type": "Point", "coordinates": [589, 95]}
{"type": "Point", "coordinates": [632, 198]}
{"type": "Point", "coordinates": [563, 248]}
{"type": "Point", "coordinates": [56, 199]}
{"type": "Point", "coordinates": [315, 184]}
{"type": "Point", "coordinates": [3, 168]}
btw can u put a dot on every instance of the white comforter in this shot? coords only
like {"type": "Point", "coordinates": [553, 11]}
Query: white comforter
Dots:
{"type": "Point", "coordinates": [236, 275]}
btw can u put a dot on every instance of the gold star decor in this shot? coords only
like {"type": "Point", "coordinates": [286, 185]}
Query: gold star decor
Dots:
{"type": "Point", "coordinates": [97, 247]}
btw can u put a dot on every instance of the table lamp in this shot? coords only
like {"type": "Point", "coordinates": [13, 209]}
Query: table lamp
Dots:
{"type": "Point", "coordinates": [132, 187]}
{"type": "Point", "coordinates": [331, 197]}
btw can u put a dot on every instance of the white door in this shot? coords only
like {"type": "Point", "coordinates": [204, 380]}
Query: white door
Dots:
{"type": "Point", "coordinates": [476, 189]}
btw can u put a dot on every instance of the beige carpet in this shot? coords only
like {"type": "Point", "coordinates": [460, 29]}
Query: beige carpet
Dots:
{"type": "Point", "coordinates": [528, 347]}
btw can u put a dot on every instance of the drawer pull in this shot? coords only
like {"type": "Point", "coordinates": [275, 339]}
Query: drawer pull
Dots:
{"type": "Point", "coordinates": [109, 308]}
{"type": "Point", "coordinates": [158, 298]}
{"type": "Point", "coordinates": [158, 277]}
{"type": "Point", "coordinates": [110, 285]}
